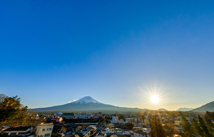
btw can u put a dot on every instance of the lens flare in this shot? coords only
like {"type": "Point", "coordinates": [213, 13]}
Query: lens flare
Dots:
{"type": "Point", "coordinates": [155, 99]}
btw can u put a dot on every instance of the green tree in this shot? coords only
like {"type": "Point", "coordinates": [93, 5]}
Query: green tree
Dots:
{"type": "Point", "coordinates": [203, 127]}
{"type": "Point", "coordinates": [170, 129]}
{"type": "Point", "coordinates": [121, 117]}
{"type": "Point", "coordinates": [13, 113]}
{"type": "Point", "coordinates": [143, 118]}
{"type": "Point", "coordinates": [129, 126]}
{"type": "Point", "coordinates": [157, 129]}
{"type": "Point", "coordinates": [187, 129]}
{"type": "Point", "coordinates": [62, 129]}
{"type": "Point", "coordinates": [209, 124]}
{"type": "Point", "coordinates": [210, 114]}
{"type": "Point", "coordinates": [197, 130]}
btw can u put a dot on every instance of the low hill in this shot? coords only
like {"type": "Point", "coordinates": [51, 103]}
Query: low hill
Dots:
{"type": "Point", "coordinates": [207, 107]}
{"type": "Point", "coordinates": [162, 109]}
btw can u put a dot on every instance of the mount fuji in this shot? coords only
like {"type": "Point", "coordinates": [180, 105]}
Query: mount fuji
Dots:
{"type": "Point", "coordinates": [85, 100]}
{"type": "Point", "coordinates": [86, 103]}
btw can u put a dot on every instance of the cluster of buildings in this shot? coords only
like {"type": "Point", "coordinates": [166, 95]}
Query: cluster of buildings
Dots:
{"type": "Point", "coordinates": [92, 125]}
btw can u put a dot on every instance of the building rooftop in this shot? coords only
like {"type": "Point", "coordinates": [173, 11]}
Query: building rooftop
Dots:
{"type": "Point", "coordinates": [68, 114]}
{"type": "Point", "coordinates": [100, 134]}
{"type": "Point", "coordinates": [18, 129]}
{"type": "Point", "coordinates": [46, 124]}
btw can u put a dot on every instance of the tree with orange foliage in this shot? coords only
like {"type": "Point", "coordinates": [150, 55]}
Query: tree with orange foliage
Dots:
{"type": "Point", "coordinates": [13, 113]}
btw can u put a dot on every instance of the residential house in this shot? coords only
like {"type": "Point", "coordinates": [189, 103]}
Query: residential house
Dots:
{"type": "Point", "coordinates": [121, 121]}
{"type": "Point", "coordinates": [96, 116]}
{"type": "Point", "coordinates": [84, 116]}
{"type": "Point", "coordinates": [110, 125]}
{"type": "Point", "coordinates": [59, 113]}
{"type": "Point", "coordinates": [137, 129]}
{"type": "Point", "coordinates": [129, 120]}
{"type": "Point", "coordinates": [56, 119]}
{"type": "Point", "coordinates": [146, 130]}
{"type": "Point", "coordinates": [68, 115]}
{"type": "Point", "coordinates": [118, 130]}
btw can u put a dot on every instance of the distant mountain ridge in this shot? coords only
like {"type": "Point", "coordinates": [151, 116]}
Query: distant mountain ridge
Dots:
{"type": "Point", "coordinates": [207, 107]}
{"type": "Point", "coordinates": [86, 103]}
{"type": "Point", "coordinates": [184, 109]}
{"type": "Point", "coordinates": [162, 109]}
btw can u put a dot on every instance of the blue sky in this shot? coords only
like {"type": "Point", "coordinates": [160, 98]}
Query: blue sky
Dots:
{"type": "Point", "coordinates": [117, 52]}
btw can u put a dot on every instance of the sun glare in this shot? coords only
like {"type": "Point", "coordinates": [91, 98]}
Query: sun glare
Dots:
{"type": "Point", "coordinates": [155, 99]}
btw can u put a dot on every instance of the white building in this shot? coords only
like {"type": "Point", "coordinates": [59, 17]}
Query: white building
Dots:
{"type": "Point", "coordinates": [146, 130]}
{"type": "Point", "coordinates": [114, 119]}
{"type": "Point", "coordinates": [44, 130]}
{"type": "Point", "coordinates": [118, 130]}
{"type": "Point", "coordinates": [121, 121]}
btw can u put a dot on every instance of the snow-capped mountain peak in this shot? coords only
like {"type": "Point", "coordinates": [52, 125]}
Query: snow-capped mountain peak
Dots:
{"type": "Point", "coordinates": [85, 100]}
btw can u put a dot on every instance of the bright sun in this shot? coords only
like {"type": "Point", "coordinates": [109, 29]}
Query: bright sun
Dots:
{"type": "Point", "coordinates": [155, 99]}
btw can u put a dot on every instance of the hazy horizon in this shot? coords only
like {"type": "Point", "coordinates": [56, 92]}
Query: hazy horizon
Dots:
{"type": "Point", "coordinates": [150, 108]}
{"type": "Point", "coordinates": [117, 52]}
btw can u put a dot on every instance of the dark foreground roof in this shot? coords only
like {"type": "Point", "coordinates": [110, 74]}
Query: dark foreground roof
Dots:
{"type": "Point", "coordinates": [18, 129]}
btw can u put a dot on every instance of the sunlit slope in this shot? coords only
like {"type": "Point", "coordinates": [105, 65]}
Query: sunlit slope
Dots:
{"type": "Point", "coordinates": [207, 107]}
